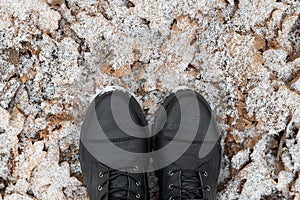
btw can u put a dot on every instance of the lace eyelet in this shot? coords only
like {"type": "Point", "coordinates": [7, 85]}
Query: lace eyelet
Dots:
{"type": "Point", "coordinates": [171, 187]}
{"type": "Point", "coordinates": [135, 168]}
{"type": "Point", "coordinates": [100, 188]}
{"type": "Point", "coordinates": [208, 188]}
{"type": "Point", "coordinates": [205, 173]}
{"type": "Point", "coordinates": [171, 173]}
{"type": "Point", "coordinates": [138, 196]}
{"type": "Point", "coordinates": [100, 174]}
{"type": "Point", "coordinates": [171, 198]}
{"type": "Point", "coordinates": [138, 183]}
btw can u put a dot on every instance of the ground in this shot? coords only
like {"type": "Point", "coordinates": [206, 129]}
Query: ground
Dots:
{"type": "Point", "coordinates": [243, 56]}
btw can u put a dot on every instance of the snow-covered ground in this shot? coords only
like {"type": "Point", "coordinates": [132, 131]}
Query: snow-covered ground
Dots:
{"type": "Point", "coordinates": [242, 55]}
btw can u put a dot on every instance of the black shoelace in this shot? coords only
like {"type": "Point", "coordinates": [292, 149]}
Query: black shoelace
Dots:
{"type": "Point", "coordinates": [114, 175]}
{"type": "Point", "coordinates": [189, 176]}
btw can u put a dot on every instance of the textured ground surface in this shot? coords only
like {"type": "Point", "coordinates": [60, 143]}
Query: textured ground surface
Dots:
{"type": "Point", "coordinates": [242, 55]}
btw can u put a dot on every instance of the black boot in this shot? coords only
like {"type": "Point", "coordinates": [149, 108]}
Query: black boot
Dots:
{"type": "Point", "coordinates": [194, 174]}
{"type": "Point", "coordinates": [110, 175]}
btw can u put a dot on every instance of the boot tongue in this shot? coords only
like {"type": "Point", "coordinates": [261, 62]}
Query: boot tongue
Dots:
{"type": "Point", "coordinates": [120, 181]}
{"type": "Point", "coordinates": [190, 181]}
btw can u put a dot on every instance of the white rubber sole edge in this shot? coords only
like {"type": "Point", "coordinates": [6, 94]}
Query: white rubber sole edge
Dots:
{"type": "Point", "coordinates": [101, 91]}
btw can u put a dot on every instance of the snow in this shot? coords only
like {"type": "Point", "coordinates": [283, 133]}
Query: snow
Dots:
{"type": "Point", "coordinates": [242, 56]}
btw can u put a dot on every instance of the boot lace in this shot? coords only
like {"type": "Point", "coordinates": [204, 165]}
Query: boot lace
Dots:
{"type": "Point", "coordinates": [190, 178]}
{"type": "Point", "coordinates": [114, 175]}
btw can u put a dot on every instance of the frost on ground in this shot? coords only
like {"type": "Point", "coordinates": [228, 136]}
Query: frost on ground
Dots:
{"type": "Point", "coordinates": [242, 55]}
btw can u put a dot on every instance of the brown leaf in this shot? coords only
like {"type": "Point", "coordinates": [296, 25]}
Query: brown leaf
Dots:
{"type": "Point", "coordinates": [259, 43]}
{"type": "Point", "coordinates": [54, 120]}
{"type": "Point", "coordinates": [123, 71]}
